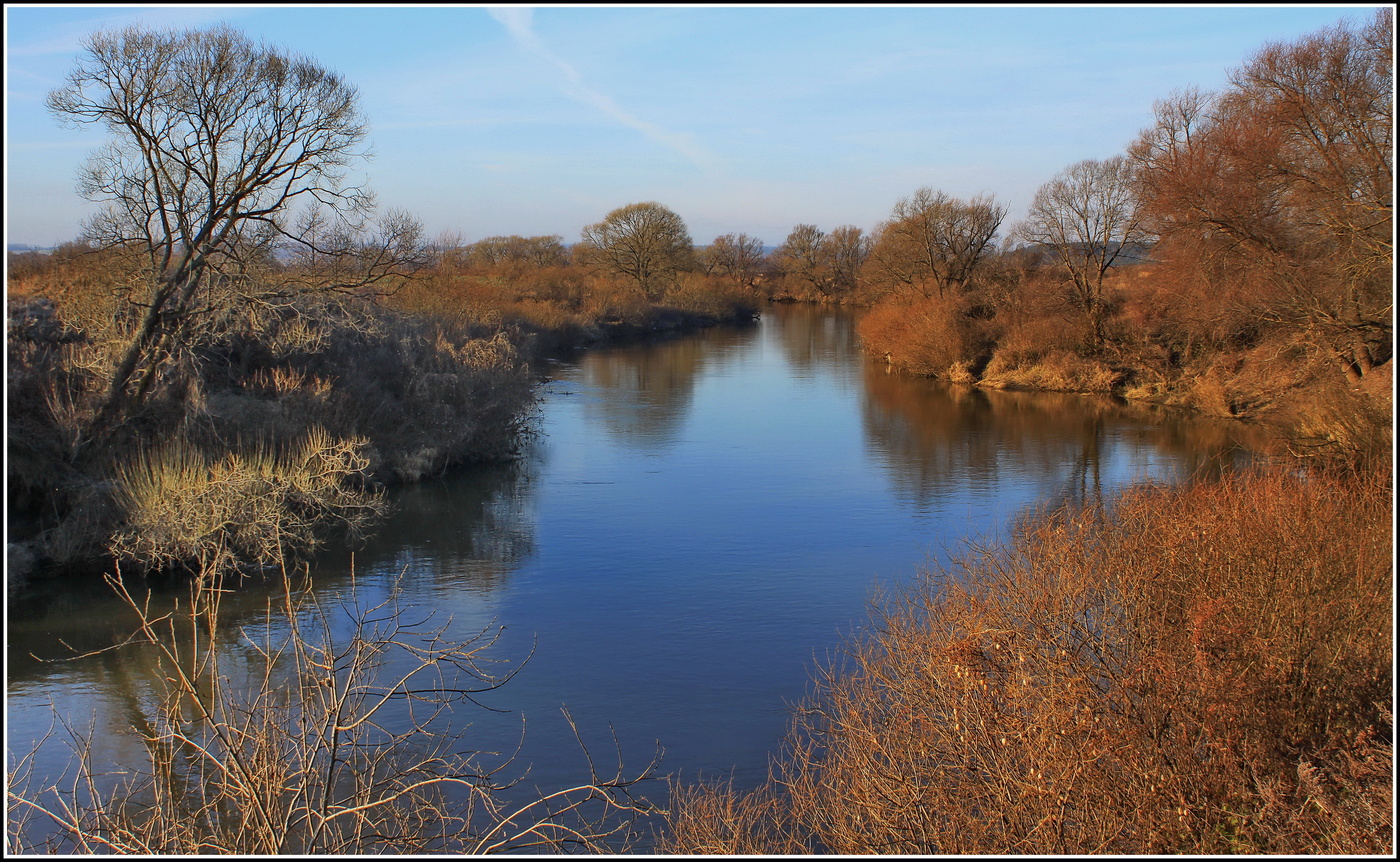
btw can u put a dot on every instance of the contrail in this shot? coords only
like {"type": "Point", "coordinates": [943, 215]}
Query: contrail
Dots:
{"type": "Point", "coordinates": [517, 22]}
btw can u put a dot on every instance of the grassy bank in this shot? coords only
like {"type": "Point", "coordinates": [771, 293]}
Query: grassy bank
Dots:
{"type": "Point", "coordinates": [269, 422]}
{"type": "Point", "coordinates": [1206, 669]}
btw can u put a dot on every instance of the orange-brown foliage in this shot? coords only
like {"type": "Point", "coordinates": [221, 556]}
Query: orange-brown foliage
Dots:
{"type": "Point", "coordinates": [1200, 670]}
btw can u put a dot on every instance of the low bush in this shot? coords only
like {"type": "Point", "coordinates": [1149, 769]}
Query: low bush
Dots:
{"type": "Point", "coordinates": [260, 506]}
{"type": "Point", "coordinates": [1201, 670]}
{"type": "Point", "coordinates": [931, 336]}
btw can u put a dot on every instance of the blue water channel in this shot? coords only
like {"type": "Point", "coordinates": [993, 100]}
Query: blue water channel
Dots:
{"type": "Point", "coordinates": [694, 525]}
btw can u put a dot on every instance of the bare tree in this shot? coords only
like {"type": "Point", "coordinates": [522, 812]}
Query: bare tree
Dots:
{"type": "Point", "coordinates": [645, 243]}
{"type": "Point", "coordinates": [934, 242]}
{"type": "Point", "coordinates": [847, 248]}
{"type": "Point", "coordinates": [1289, 174]}
{"type": "Point", "coordinates": [215, 139]}
{"type": "Point", "coordinates": [802, 259]}
{"type": "Point", "coordinates": [1087, 218]}
{"type": "Point", "coordinates": [738, 257]}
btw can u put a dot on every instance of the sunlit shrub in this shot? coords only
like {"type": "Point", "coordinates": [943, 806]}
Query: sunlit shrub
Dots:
{"type": "Point", "coordinates": [931, 336]}
{"type": "Point", "coordinates": [1052, 371]}
{"type": "Point", "coordinates": [259, 506]}
{"type": "Point", "coordinates": [1201, 670]}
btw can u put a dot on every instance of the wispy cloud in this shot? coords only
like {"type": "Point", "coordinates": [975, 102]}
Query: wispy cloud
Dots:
{"type": "Point", "coordinates": [519, 24]}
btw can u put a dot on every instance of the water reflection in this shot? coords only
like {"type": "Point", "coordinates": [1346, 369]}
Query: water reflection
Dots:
{"type": "Point", "coordinates": [938, 441]}
{"type": "Point", "coordinates": [641, 396]}
{"type": "Point", "coordinates": [814, 338]}
{"type": "Point", "coordinates": [468, 530]}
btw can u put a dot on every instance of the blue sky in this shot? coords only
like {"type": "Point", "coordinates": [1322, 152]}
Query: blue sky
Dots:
{"type": "Point", "coordinates": [512, 120]}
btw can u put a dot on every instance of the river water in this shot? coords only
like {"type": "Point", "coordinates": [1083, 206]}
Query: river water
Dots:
{"type": "Point", "coordinates": [695, 525]}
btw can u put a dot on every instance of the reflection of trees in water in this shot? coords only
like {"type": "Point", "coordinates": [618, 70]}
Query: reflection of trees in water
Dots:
{"type": "Point", "coordinates": [938, 440]}
{"type": "Point", "coordinates": [471, 528]}
{"type": "Point", "coordinates": [816, 337]}
{"type": "Point", "coordinates": [641, 394]}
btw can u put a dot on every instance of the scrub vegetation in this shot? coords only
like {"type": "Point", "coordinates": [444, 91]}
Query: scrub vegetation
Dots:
{"type": "Point", "coordinates": [1206, 669]}
{"type": "Point", "coordinates": [1200, 669]}
{"type": "Point", "coordinates": [241, 351]}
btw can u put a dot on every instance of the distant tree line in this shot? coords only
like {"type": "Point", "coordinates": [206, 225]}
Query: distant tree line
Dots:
{"type": "Point", "coordinates": [1237, 258]}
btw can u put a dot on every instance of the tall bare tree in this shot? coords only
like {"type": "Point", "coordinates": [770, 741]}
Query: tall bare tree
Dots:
{"type": "Point", "coordinates": [645, 243]}
{"type": "Point", "coordinates": [847, 248]}
{"type": "Point", "coordinates": [1087, 218]}
{"type": "Point", "coordinates": [215, 139]}
{"type": "Point", "coordinates": [738, 257]}
{"type": "Point", "coordinates": [933, 242]}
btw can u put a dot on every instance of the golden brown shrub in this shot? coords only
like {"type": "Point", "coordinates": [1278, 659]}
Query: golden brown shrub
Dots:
{"type": "Point", "coordinates": [1201, 670]}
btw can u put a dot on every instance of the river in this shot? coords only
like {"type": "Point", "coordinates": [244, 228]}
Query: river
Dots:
{"type": "Point", "coordinates": [695, 524]}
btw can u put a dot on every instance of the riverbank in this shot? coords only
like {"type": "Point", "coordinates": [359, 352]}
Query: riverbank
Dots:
{"type": "Point", "coordinates": [1273, 376]}
{"type": "Point", "coordinates": [1205, 670]}
{"type": "Point", "coordinates": [683, 495]}
{"type": "Point", "coordinates": [273, 425]}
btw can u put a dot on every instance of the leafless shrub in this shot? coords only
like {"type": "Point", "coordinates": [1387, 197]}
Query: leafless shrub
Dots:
{"type": "Point", "coordinates": [926, 335]}
{"type": "Point", "coordinates": [253, 507]}
{"type": "Point", "coordinates": [283, 743]}
{"type": "Point", "coordinates": [1203, 670]}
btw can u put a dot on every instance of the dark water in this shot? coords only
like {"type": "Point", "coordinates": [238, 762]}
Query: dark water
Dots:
{"type": "Point", "coordinates": [697, 524]}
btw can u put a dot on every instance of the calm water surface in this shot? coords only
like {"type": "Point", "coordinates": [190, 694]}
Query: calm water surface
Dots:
{"type": "Point", "coordinates": [697, 523]}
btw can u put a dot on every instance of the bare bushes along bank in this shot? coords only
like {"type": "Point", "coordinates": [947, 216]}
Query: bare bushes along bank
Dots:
{"type": "Point", "coordinates": [283, 416]}
{"type": "Point", "coordinates": [401, 383]}
{"type": "Point", "coordinates": [1206, 669]}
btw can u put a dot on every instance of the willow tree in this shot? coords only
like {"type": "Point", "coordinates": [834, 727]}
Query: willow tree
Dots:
{"type": "Point", "coordinates": [221, 149]}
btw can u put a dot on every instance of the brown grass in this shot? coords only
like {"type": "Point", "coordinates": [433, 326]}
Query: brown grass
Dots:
{"type": "Point", "coordinates": [1200, 670]}
{"type": "Point", "coordinates": [261, 506]}
{"type": "Point", "coordinates": [1051, 371]}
